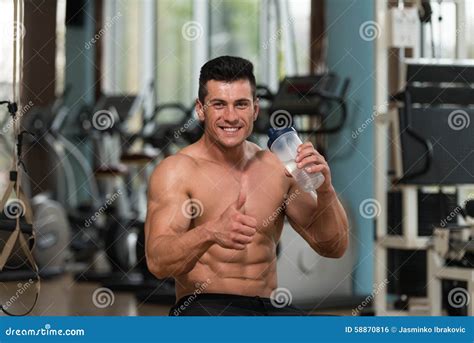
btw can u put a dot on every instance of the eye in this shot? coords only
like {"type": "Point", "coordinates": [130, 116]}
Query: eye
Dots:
{"type": "Point", "coordinates": [218, 105]}
{"type": "Point", "coordinates": [242, 105]}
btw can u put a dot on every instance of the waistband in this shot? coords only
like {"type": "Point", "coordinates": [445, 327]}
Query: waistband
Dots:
{"type": "Point", "coordinates": [223, 297]}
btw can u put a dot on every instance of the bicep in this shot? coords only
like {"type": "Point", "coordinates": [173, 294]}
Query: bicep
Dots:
{"type": "Point", "coordinates": [166, 195]}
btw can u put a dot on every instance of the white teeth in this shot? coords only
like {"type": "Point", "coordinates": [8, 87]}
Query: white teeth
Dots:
{"type": "Point", "coordinates": [230, 129]}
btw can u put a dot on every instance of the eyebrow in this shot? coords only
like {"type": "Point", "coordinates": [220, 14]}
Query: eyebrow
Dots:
{"type": "Point", "coordinates": [222, 100]}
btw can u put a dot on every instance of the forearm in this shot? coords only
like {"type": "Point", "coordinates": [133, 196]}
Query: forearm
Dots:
{"type": "Point", "coordinates": [329, 229]}
{"type": "Point", "coordinates": [175, 255]}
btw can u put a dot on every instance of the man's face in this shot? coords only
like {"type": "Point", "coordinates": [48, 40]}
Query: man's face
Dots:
{"type": "Point", "coordinates": [229, 111]}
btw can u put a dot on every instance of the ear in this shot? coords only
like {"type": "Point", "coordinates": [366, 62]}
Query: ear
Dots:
{"type": "Point", "coordinates": [199, 110]}
{"type": "Point", "coordinates": [256, 109]}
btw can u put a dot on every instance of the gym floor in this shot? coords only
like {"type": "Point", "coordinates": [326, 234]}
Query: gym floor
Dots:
{"type": "Point", "coordinates": [62, 296]}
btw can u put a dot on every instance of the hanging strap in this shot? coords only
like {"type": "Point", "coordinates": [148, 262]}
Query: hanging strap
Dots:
{"type": "Point", "coordinates": [17, 234]}
{"type": "Point", "coordinates": [15, 180]}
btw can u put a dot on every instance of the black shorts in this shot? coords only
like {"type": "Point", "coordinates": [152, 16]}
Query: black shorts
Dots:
{"type": "Point", "coordinates": [215, 304]}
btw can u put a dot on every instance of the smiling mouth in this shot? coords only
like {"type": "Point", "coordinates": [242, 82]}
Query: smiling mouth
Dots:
{"type": "Point", "coordinates": [230, 129]}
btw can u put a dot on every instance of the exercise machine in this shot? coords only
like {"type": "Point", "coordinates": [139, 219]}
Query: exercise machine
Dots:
{"type": "Point", "coordinates": [431, 173]}
{"type": "Point", "coordinates": [451, 265]}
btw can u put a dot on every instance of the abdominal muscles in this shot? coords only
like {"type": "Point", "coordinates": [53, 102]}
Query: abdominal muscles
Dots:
{"type": "Point", "coordinates": [249, 272]}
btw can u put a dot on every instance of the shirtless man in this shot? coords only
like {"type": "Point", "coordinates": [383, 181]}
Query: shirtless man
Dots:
{"type": "Point", "coordinates": [216, 208]}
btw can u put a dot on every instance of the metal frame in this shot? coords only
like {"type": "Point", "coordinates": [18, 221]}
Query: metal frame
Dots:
{"type": "Point", "coordinates": [437, 271]}
{"type": "Point", "coordinates": [386, 119]}
{"type": "Point", "coordinates": [268, 45]}
{"type": "Point", "coordinates": [461, 37]}
{"type": "Point", "coordinates": [202, 44]}
{"type": "Point", "coordinates": [381, 147]}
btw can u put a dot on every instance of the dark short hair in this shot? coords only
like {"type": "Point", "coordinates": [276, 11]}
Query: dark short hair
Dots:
{"type": "Point", "coordinates": [225, 68]}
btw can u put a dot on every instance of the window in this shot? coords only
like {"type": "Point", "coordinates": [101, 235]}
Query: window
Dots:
{"type": "Point", "coordinates": [6, 63]}
{"type": "Point", "coordinates": [234, 29]}
{"type": "Point", "coordinates": [174, 55]}
{"type": "Point", "coordinates": [300, 12]}
{"type": "Point", "coordinates": [122, 56]}
{"type": "Point", "coordinates": [468, 26]}
{"type": "Point", "coordinates": [6, 46]}
{"type": "Point", "coordinates": [441, 36]}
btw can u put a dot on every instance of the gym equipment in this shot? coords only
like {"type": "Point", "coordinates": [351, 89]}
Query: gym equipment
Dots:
{"type": "Point", "coordinates": [432, 116]}
{"type": "Point", "coordinates": [433, 120]}
{"type": "Point", "coordinates": [47, 124]}
{"type": "Point", "coordinates": [53, 235]}
{"type": "Point", "coordinates": [13, 263]}
{"type": "Point", "coordinates": [425, 14]}
{"type": "Point", "coordinates": [122, 220]}
{"type": "Point", "coordinates": [451, 266]}
{"type": "Point", "coordinates": [265, 98]}
{"type": "Point", "coordinates": [137, 150]}
{"type": "Point", "coordinates": [312, 96]}
{"type": "Point", "coordinates": [168, 137]}
{"type": "Point", "coordinates": [433, 206]}
{"type": "Point", "coordinates": [16, 232]}
{"type": "Point", "coordinates": [17, 259]}
{"type": "Point", "coordinates": [404, 265]}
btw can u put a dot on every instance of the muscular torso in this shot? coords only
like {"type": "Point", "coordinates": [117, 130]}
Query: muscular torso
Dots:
{"type": "Point", "coordinates": [246, 272]}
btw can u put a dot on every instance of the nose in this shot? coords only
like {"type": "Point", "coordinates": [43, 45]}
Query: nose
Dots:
{"type": "Point", "coordinates": [231, 116]}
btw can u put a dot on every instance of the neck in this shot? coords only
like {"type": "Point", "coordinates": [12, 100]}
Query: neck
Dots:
{"type": "Point", "coordinates": [233, 157]}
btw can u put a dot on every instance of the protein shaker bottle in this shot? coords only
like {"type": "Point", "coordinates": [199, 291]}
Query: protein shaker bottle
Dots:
{"type": "Point", "coordinates": [284, 143]}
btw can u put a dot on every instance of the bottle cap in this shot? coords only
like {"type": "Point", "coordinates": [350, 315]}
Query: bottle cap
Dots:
{"type": "Point", "coordinates": [273, 134]}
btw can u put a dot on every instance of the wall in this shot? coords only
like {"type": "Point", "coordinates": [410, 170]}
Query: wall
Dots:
{"type": "Point", "coordinates": [351, 154]}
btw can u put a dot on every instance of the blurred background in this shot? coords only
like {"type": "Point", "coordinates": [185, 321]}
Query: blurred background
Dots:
{"type": "Point", "coordinates": [105, 91]}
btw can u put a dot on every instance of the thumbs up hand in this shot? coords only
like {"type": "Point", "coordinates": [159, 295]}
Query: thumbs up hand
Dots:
{"type": "Point", "coordinates": [234, 229]}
